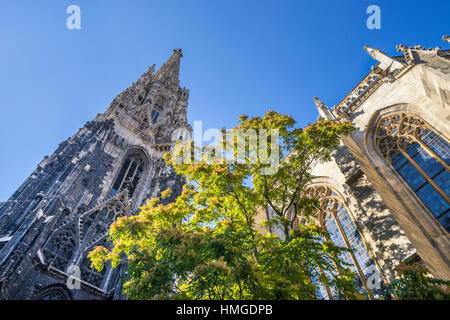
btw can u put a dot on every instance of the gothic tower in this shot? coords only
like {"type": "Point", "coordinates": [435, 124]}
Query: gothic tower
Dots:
{"type": "Point", "coordinates": [106, 170]}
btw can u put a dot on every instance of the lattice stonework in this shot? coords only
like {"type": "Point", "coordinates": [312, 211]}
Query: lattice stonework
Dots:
{"type": "Point", "coordinates": [421, 156]}
{"type": "Point", "coordinates": [53, 293]}
{"type": "Point", "coordinates": [103, 171]}
{"type": "Point", "coordinates": [335, 217]}
{"type": "Point", "coordinates": [72, 242]}
{"type": "Point", "coordinates": [397, 131]}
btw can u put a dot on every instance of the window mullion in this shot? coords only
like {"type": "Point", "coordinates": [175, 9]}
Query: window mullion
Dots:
{"type": "Point", "coordinates": [125, 176]}
{"type": "Point", "coordinates": [355, 262]}
{"type": "Point", "coordinates": [134, 173]}
{"type": "Point", "coordinates": [433, 154]}
{"type": "Point", "coordinates": [132, 179]}
{"type": "Point", "coordinates": [338, 271]}
{"type": "Point", "coordinates": [423, 173]}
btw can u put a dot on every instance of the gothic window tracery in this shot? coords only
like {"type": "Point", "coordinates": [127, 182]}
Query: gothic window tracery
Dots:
{"type": "Point", "coordinates": [421, 157]}
{"type": "Point", "coordinates": [61, 247]}
{"type": "Point", "coordinates": [94, 228]}
{"type": "Point", "coordinates": [335, 217]}
{"type": "Point", "coordinates": [130, 173]}
{"type": "Point", "coordinates": [69, 247]}
{"type": "Point", "coordinates": [91, 275]}
{"type": "Point", "coordinates": [140, 113]}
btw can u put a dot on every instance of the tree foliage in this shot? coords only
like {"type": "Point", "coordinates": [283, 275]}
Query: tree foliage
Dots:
{"type": "Point", "coordinates": [415, 283]}
{"type": "Point", "coordinates": [207, 245]}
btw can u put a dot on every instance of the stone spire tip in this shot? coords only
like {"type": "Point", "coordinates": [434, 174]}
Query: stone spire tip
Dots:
{"type": "Point", "coordinates": [372, 51]}
{"type": "Point", "coordinates": [323, 110]}
{"type": "Point", "coordinates": [178, 51]}
{"type": "Point", "coordinates": [318, 101]}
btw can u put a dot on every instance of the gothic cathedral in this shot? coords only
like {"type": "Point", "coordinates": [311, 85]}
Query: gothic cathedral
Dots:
{"type": "Point", "coordinates": [106, 170]}
{"type": "Point", "coordinates": [384, 194]}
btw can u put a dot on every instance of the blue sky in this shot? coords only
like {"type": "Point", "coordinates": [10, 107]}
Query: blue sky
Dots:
{"type": "Point", "coordinates": [240, 56]}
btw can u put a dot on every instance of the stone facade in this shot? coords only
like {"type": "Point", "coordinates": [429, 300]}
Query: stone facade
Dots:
{"type": "Point", "coordinates": [399, 101]}
{"type": "Point", "coordinates": [106, 170]}
{"type": "Point", "coordinates": [114, 163]}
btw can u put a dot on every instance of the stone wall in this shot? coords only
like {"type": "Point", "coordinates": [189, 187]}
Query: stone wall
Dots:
{"type": "Point", "coordinates": [421, 91]}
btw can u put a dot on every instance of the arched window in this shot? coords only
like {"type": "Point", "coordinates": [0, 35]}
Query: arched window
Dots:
{"type": "Point", "coordinates": [158, 108]}
{"type": "Point", "coordinates": [155, 115]}
{"type": "Point", "coordinates": [336, 219]}
{"type": "Point", "coordinates": [94, 227]}
{"type": "Point", "coordinates": [53, 292]}
{"type": "Point", "coordinates": [61, 247]}
{"type": "Point", "coordinates": [130, 173]}
{"type": "Point", "coordinates": [421, 156]}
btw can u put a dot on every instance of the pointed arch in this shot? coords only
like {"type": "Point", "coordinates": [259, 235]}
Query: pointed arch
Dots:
{"type": "Point", "coordinates": [158, 108]}
{"type": "Point", "coordinates": [94, 225]}
{"type": "Point", "coordinates": [336, 217]}
{"type": "Point", "coordinates": [417, 152]}
{"type": "Point", "coordinates": [94, 228]}
{"type": "Point", "coordinates": [131, 171]}
{"type": "Point", "coordinates": [53, 292]}
{"type": "Point", "coordinates": [62, 246]}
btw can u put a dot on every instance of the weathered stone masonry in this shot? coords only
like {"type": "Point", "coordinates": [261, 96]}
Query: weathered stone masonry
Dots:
{"type": "Point", "coordinates": [396, 224]}
{"type": "Point", "coordinates": [107, 169]}
{"type": "Point", "coordinates": [114, 163]}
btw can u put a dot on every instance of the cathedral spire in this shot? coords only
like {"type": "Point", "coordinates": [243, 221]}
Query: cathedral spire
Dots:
{"type": "Point", "coordinates": [170, 70]}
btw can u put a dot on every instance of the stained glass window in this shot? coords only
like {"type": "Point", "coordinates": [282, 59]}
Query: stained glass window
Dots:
{"type": "Point", "coordinates": [157, 109]}
{"type": "Point", "coordinates": [344, 233]}
{"type": "Point", "coordinates": [130, 173]}
{"type": "Point", "coordinates": [155, 115]}
{"type": "Point", "coordinates": [421, 157]}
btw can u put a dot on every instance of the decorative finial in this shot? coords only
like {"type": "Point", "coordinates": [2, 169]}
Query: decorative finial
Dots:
{"type": "Point", "coordinates": [178, 51]}
{"type": "Point", "coordinates": [386, 62]}
{"type": "Point", "coordinates": [318, 102]}
{"type": "Point", "coordinates": [371, 51]}
{"type": "Point", "coordinates": [324, 112]}
{"type": "Point", "coordinates": [403, 49]}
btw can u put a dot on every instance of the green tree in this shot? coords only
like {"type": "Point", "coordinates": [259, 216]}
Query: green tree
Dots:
{"type": "Point", "coordinates": [206, 244]}
{"type": "Point", "coordinates": [414, 283]}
